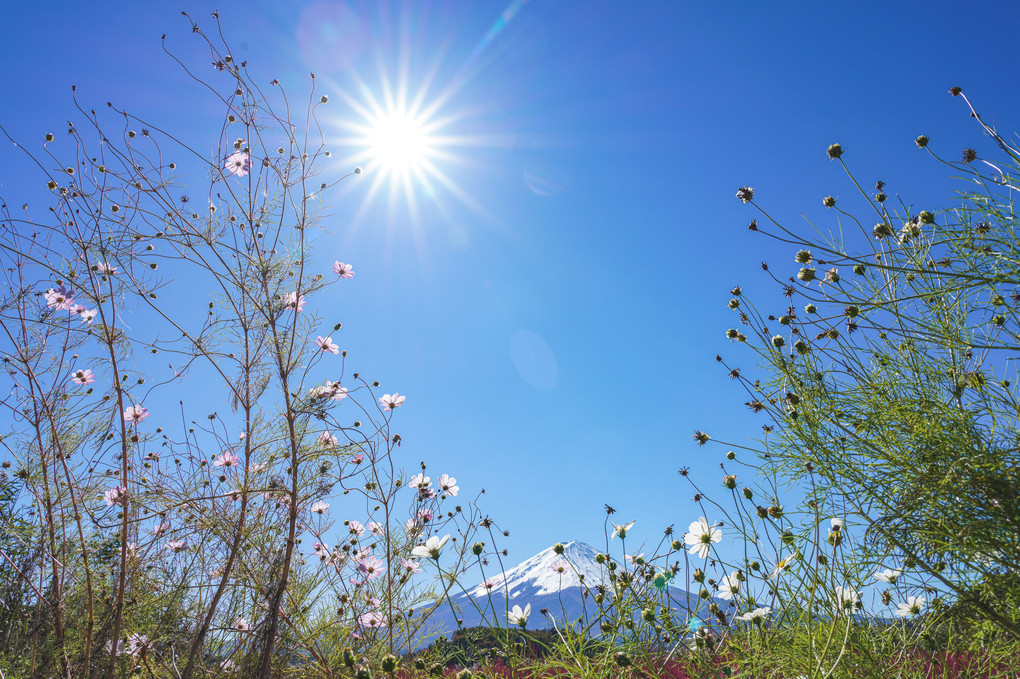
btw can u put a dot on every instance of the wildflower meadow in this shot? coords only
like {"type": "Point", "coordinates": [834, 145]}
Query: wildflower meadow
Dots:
{"type": "Point", "coordinates": [196, 483]}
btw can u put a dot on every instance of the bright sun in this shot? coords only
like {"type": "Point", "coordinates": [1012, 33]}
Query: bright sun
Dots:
{"type": "Point", "coordinates": [398, 142]}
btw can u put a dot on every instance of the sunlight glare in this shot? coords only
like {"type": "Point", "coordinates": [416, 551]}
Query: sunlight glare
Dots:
{"type": "Point", "coordinates": [398, 142]}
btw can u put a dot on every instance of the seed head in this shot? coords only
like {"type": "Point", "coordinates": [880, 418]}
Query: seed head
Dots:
{"type": "Point", "coordinates": [778, 341]}
{"type": "Point", "coordinates": [829, 201]}
{"type": "Point", "coordinates": [745, 194]}
{"type": "Point", "coordinates": [969, 155]}
{"type": "Point", "coordinates": [955, 91]}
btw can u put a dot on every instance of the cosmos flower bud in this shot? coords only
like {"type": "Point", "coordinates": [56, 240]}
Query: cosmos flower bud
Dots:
{"type": "Point", "coordinates": [832, 333]}
{"type": "Point", "coordinates": [835, 538]}
{"type": "Point", "coordinates": [699, 575]}
{"type": "Point", "coordinates": [323, 99]}
{"type": "Point", "coordinates": [558, 548]}
{"type": "Point", "coordinates": [832, 275]}
{"type": "Point", "coordinates": [859, 269]}
{"type": "Point", "coordinates": [676, 545]}
{"type": "Point", "coordinates": [921, 141]}
{"type": "Point", "coordinates": [810, 309]}
{"type": "Point", "coordinates": [389, 663]}
{"type": "Point", "coordinates": [784, 320]}
{"type": "Point", "coordinates": [349, 658]}
{"type": "Point", "coordinates": [778, 341]}
{"type": "Point", "coordinates": [955, 91]}
{"type": "Point", "coordinates": [926, 217]}
{"type": "Point", "coordinates": [747, 493]}
{"type": "Point", "coordinates": [731, 455]}
{"type": "Point", "coordinates": [802, 257]}
{"type": "Point", "coordinates": [733, 303]}
{"type": "Point", "coordinates": [852, 310]}
{"type": "Point", "coordinates": [834, 151]}
{"type": "Point", "coordinates": [806, 275]}
{"type": "Point", "coordinates": [600, 558]}
{"type": "Point", "coordinates": [731, 333]}
{"type": "Point", "coordinates": [761, 511]}
{"type": "Point", "coordinates": [829, 201]}
{"type": "Point", "coordinates": [881, 197]}
{"type": "Point", "coordinates": [745, 194]}
{"type": "Point", "coordinates": [51, 185]}
{"type": "Point", "coordinates": [775, 511]}
{"type": "Point", "coordinates": [621, 659]}
{"type": "Point", "coordinates": [477, 548]}
{"type": "Point", "coordinates": [801, 346]}
{"type": "Point", "coordinates": [357, 170]}
{"type": "Point", "coordinates": [730, 481]}
{"type": "Point", "coordinates": [881, 230]}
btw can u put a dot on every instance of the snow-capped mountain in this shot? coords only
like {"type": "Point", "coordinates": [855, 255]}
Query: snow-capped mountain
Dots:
{"type": "Point", "coordinates": [548, 572]}
{"type": "Point", "coordinates": [558, 587]}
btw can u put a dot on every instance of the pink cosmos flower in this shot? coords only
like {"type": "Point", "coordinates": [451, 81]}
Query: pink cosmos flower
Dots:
{"type": "Point", "coordinates": [87, 316]}
{"type": "Point", "coordinates": [292, 300]}
{"type": "Point", "coordinates": [420, 481]}
{"type": "Point", "coordinates": [326, 344]}
{"type": "Point", "coordinates": [410, 566]}
{"type": "Point", "coordinates": [84, 377]}
{"type": "Point", "coordinates": [238, 163]}
{"type": "Point", "coordinates": [105, 269]}
{"type": "Point", "coordinates": [59, 299]}
{"type": "Point", "coordinates": [343, 270]}
{"type": "Point", "coordinates": [424, 516]}
{"type": "Point", "coordinates": [412, 526]}
{"type": "Point", "coordinates": [241, 625]}
{"type": "Point", "coordinates": [448, 484]}
{"type": "Point", "coordinates": [372, 567]}
{"type": "Point", "coordinates": [152, 455]}
{"type": "Point", "coordinates": [177, 545]}
{"type": "Point", "coordinates": [389, 402]}
{"type": "Point", "coordinates": [490, 583]}
{"type": "Point", "coordinates": [358, 459]}
{"type": "Point", "coordinates": [375, 528]}
{"type": "Point", "coordinates": [161, 528]}
{"type": "Point", "coordinates": [327, 440]}
{"type": "Point", "coordinates": [135, 414]}
{"type": "Point", "coordinates": [241, 436]}
{"type": "Point", "coordinates": [560, 566]}
{"type": "Point", "coordinates": [115, 496]}
{"type": "Point", "coordinates": [373, 619]}
{"type": "Point", "coordinates": [355, 528]}
{"type": "Point", "coordinates": [227, 459]}
{"type": "Point", "coordinates": [319, 507]}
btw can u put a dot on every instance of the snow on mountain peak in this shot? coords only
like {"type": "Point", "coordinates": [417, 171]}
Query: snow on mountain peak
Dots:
{"type": "Point", "coordinates": [541, 573]}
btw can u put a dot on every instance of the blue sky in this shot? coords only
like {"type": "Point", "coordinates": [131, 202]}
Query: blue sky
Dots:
{"type": "Point", "coordinates": [552, 307]}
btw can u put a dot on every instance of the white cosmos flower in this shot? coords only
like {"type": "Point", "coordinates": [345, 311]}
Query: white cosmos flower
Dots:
{"type": "Point", "coordinates": [889, 575]}
{"type": "Point", "coordinates": [700, 536]}
{"type": "Point", "coordinates": [431, 548]}
{"type": "Point", "coordinates": [845, 598]}
{"type": "Point", "coordinates": [621, 530]}
{"type": "Point", "coordinates": [519, 617]}
{"type": "Point", "coordinates": [911, 607]}
{"type": "Point", "coordinates": [730, 586]}
{"type": "Point", "coordinates": [782, 566]}
{"type": "Point", "coordinates": [755, 615]}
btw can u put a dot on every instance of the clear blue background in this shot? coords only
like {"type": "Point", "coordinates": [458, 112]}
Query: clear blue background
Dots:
{"type": "Point", "coordinates": [636, 123]}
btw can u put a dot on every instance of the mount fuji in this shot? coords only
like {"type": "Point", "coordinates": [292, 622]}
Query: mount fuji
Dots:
{"type": "Point", "coordinates": [555, 593]}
